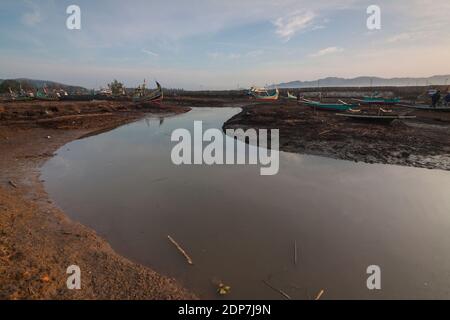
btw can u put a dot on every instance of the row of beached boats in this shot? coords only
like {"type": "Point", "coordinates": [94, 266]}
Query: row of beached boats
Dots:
{"type": "Point", "coordinates": [352, 111]}
{"type": "Point", "coordinates": [379, 112]}
{"type": "Point", "coordinates": [40, 94]}
{"type": "Point", "coordinates": [140, 94]}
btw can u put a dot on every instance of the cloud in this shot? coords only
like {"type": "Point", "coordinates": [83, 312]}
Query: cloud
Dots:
{"type": "Point", "coordinates": [236, 30]}
{"type": "Point", "coordinates": [326, 51]}
{"type": "Point", "coordinates": [150, 53]}
{"type": "Point", "coordinates": [399, 37]}
{"type": "Point", "coordinates": [254, 53]}
{"type": "Point", "coordinates": [288, 26]}
{"type": "Point", "coordinates": [32, 18]}
{"type": "Point", "coordinates": [221, 55]}
{"type": "Point", "coordinates": [234, 55]}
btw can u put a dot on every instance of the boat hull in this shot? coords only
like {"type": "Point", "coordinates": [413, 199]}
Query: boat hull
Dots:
{"type": "Point", "coordinates": [262, 99]}
{"type": "Point", "coordinates": [272, 96]}
{"type": "Point", "coordinates": [378, 101]}
{"type": "Point", "coordinates": [154, 97]}
{"type": "Point", "coordinates": [427, 108]}
{"type": "Point", "coordinates": [374, 118]}
{"type": "Point", "coordinates": [331, 107]}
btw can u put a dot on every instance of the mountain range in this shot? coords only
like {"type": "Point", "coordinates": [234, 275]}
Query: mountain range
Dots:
{"type": "Point", "coordinates": [51, 84]}
{"type": "Point", "coordinates": [366, 81]}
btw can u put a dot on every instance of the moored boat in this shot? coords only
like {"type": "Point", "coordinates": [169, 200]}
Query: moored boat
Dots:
{"type": "Point", "coordinates": [426, 107]}
{"type": "Point", "coordinates": [379, 118]}
{"type": "Point", "coordinates": [378, 100]}
{"type": "Point", "coordinates": [263, 94]}
{"type": "Point", "coordinates": [329, 106]}
{"type": "Point", "coordinates": [291, 96]}
{"type": "Point", "coordinates": [155, 96]}
{"type": "Point", "coordinates": [45, 95]}
{"type": "Point", "coordinates": [21, 96]}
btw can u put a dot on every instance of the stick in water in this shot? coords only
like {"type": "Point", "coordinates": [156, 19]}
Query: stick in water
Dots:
{"type": "Point", "coordinates": [189, 260]}
{"type": "Point", "coordinates": [295, 252]}
{"type": "Point", "coordinates": [319, 295]}
{"type": "Point", "coordinates": [284, 294]}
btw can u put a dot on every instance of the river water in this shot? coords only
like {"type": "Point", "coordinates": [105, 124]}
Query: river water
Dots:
{"type": "Point", "coordinates": [240, 228]}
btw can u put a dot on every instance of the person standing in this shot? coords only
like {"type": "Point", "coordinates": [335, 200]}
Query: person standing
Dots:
{"type": "Point", "coordinates": [447, 99]}
{"type": "Point", "coordinates": [435, 98]}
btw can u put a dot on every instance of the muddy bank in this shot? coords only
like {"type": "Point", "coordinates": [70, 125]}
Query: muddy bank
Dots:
{"type": "Point", "coordinates": [423, 142]}
{"type": "Point", "coordinates": [210, 101]}
{"type": "Point", "coordinates": [37, 240]}
{"type": "Point", "coordinates": [73, 114]}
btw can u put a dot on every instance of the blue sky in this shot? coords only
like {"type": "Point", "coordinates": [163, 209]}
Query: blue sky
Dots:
{"type": "Point", "coordinates": [218, 44]}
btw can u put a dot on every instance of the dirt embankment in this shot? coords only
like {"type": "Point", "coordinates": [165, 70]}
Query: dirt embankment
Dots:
{"type": "Point", "coordinates": [37, 241]}
{"type": "Point", "coordinates": [422, 142]}
{"type": "Point", "coordinates": [218, 101]}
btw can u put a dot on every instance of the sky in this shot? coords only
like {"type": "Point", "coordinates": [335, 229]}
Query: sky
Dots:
{"type": "Point", "coordinates": [221, 44]}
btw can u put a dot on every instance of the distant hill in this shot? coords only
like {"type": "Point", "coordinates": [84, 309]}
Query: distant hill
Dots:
{"type": "Point", "coordinates": [38, 84]}
{"type": "Point", "coordinates": [366, 82]}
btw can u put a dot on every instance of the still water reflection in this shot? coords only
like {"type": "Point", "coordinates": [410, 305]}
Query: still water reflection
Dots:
{"type": "Point", "coordinates": [240, 227]}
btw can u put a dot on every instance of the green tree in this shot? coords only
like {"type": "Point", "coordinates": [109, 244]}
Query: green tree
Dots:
{"type": "Point", "coordinates": [116, 87]}
{"type": "Point", "coordinates": [13, 84]}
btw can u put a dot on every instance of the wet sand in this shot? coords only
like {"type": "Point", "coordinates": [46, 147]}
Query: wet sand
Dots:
{"type": "Point", "coordinates": [37, 240]}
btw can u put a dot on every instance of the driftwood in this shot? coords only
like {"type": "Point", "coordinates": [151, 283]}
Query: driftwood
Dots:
{"type": "Point", "coordinates": [326, 131]}
{"type": "Point", "coordinates": [284, 294]}
{"type": "Point", "coordinates": [295, 252]}
{"type": "Point", "coordinates": [319, 295]}
{"type": "Point", "coordinates": [12, 184]}
{"type": "Point", "coordinates": [189, 260]}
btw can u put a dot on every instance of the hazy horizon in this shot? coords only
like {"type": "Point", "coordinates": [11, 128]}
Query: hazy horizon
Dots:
{"type": "Point", "coordinates": [222, 44]}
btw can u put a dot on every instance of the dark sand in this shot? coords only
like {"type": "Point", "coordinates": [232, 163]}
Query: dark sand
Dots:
{"type": "Point", "coordinates": [422, 142]}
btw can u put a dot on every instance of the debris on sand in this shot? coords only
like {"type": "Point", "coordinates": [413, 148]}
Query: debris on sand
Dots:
{"type": "Point", "coordinates": [12, 184]}
{"type": "Point", "coordinates": [223, 289]}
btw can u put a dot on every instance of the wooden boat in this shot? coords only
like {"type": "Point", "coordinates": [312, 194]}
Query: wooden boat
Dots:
{"type": "Point", "coordinates": [262, 94]}
{"type": "Point", "coordinates": [291, 96]}
{"type": "Point", "coordinates": [426, 107]}
{"type": "Point", "coordinates": [45, 96]}
{"type": "Point", "coordinates": [384, 118]}
{"type": "Point", "coordinates": [342, 106]}
{"type": "Point", "coordinates": [155, 96]}
{"type": "Point", "coordinates": [21, 96]}
{"type": "Point", "coordinates": [378, 100]}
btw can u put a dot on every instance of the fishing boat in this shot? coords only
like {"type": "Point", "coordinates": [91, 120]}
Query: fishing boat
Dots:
{"type": "Point", "coordinates": [21, 96]}
{"type": "Point", "coordinates": [341, 106]}
{"type": "Point", "coordinates": [155, 96]}
{"type": "Point", "coordinates": [379, 118]}
{"type": "Point", "coordinates": [263, 94]}
{"type": "Point", "coordinates": [291, 96]}
{"type": "Point", "coordinates": [45, 95]}
{"type": "Point", "coordinates": [378, 100]}
{"type": "Point", "coordinates": [426, 107]}
{"type": "Point", "coordinates": [105, 92]}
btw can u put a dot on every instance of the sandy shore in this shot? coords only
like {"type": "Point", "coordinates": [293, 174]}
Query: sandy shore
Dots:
{"type": "Point", "coordinates": [38, 241]}
{"type": "Point", "coordinates": [423, 142]}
